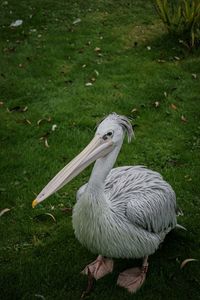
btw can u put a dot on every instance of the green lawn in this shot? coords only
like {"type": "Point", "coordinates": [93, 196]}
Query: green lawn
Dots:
{"type": "Point", "coordinates": [138, 71]}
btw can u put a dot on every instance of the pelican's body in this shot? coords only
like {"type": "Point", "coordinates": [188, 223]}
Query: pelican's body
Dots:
{"type": "Point", "coordinates": [128, 217]}
{"type": "Point", "coordinates": [124, 212]}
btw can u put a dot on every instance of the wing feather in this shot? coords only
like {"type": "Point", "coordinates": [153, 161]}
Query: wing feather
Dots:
{"type": "Point", "coordinates": [142, 197]}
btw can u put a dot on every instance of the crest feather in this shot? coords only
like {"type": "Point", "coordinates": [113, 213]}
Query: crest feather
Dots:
{"type": "Point", "coordinates": [124, 122]}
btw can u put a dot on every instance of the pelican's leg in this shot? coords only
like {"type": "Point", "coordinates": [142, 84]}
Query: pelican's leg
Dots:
{"type": "Point", "coordinates": [96, 270]}
{"type": "Point", "coordinates": [99, 268]}
{"type": "Point", "coordinates": [132, 279]}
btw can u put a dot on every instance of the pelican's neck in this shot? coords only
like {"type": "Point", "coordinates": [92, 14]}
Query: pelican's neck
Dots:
{"type": "Point", "coordinates": [101, 169]}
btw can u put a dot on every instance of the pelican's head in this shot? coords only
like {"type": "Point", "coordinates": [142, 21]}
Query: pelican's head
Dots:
{"type": "Point", "coordinates": [114, 127]}
{"type": "Point", "coordinates": [109, 134]}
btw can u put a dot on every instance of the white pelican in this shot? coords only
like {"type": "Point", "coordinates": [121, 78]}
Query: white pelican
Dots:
{"type": "Point", "coordinates": [124, 212]}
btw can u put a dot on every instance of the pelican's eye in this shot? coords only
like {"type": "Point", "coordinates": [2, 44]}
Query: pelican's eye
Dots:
{"type": "Point", "coordinates": [108, 135]}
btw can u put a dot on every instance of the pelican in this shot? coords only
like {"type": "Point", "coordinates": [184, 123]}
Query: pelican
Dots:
{"type": "Point", "coordinates": [123, 212]}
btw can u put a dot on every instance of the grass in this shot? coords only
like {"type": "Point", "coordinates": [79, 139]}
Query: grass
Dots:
{"type": "Point", "coordinates": [45, 64]}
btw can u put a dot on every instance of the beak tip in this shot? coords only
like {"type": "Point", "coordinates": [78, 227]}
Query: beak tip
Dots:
{"type": "Point", "coordinates": [34, 203]}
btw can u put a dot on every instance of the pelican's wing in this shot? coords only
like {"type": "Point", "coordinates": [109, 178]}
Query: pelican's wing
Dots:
{"type": "Point", "coordinates": [143, 197]}
{"type": "Point", "coordinates": [153, 211]}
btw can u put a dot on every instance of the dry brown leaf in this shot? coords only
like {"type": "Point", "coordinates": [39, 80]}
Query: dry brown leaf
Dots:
{"type": "Point", "coordinates": [187, 261]}
{"type": "Point", "coordinates": [24, 121]}
{"type": "Point", "coordinates": [66, 209]}
{"type": "Point", "coordinates": [88, 84]}
{"type": "Point", "coordinates": [96, 72]}
{"type": "Point", "coordinates": [78, 20]}
{"type": "Point", "coordinates": [183, 118]}
{"type": "Point", "coordinates": [44, 120]}
{"type": "Point", "coordinates": [28, 121]}
{"type": "Point", "coordinates": [39, 217]}
{"type": "Point", "coordinates": [46, 143]}
{"type": "Point", "coordinates": [39, 121]}
{"type": "Point", "coordinates": [54, 126]}
{"type": "Point", "coordinates": [18, 109]}
{"type": "Point", "coordinates": [44, 136]}
{"type": "Point", "coordinates": [134, 110]}
{"type": "Point", "coordinates": [194, 76]}
{"type": "Point", "coordinates": [161, 61]}
{"type": "Point", "coordinates": [97, 49]}
{"type": "Point", "coordinates": [40, 296]}
{"type": "Point", "coordinates": [3, 211]}
{"type": "Point", "coordinates": [52, 216]}
{"type": "Point", "coordinates": [173, 106]}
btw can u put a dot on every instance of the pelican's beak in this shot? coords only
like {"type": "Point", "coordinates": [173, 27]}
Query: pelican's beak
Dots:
{"type": "Point", "coordinates": [97, 148]}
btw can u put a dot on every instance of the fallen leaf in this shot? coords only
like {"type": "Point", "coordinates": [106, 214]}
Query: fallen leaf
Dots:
{"type": "Point", "coordinates": [157, 103]}
{"type": "Point", "coordinates": [44, 120]}
{"type": "Point", "coordinates": [16, 23]}
{"type": "Point", "coordinates": [183, 118]}
{"type": "Point", "coordinates": [54, 126]}
{"type": "Point", "coordinates": [3, 211]}
{"type": "Point", "coordinates": [24, 121]}
{"type": "Point", "coordinates": [161, 61]}
{"type": "Point", "coordinates": [40, 296]}
{"type": "Point", "coordinates": [28, 121]}
{"type": "Point", "coordinates": [41, 216]}
{"type": "Point", "coordinates": [176, 58]}
{"type": "Point", "coordinates": [173, 106]}
{"type": "Point", "coordinates": [188, 178]}
{"type": "Point", "coordinates": [46, 143]}
{"type": "Point", "coordinates": [44, 138]}
{"type": "Point", "coordinates": [194, 76]}
{"type": "Point", "coordinates": [149, 48]}
{"type": "Point", "coordinates": [33, 30]}
{"type": "Point", "coordinates": [134, 110]}
{"type": "Point", "coordinates": [187, 261]}
{"type": "Point", "coordinates": [66, 209]}
{"type": "Point", "coordinates": [84, 66]}
{"type": "Point", "coordinates": [96, 72]}
{"type": "Point", "coordinates": [97, 49]}
{"type": "Point", "coordinates": [88, 84]}
{"type": "Point", "coordinates": [45, 135]}
{"type": "Point", "coordinates": [1, 103]}
{"type": "Point", "coordinates": [78, 20]}
{"type": "Point", "coordinates": [18, 109]}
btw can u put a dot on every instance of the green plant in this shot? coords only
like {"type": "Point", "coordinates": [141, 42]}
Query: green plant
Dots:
{"type": "Point", "coordinates": [182, 19]}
